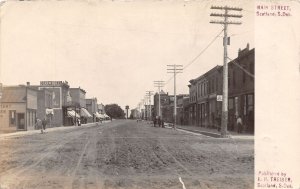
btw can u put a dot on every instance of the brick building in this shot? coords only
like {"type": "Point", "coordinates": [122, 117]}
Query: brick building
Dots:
{"type": "Point", "coordinates": [164, 101]}
{"type": "Point", "coordinates": [61, 100]}
{"type": "Point", "coordinates": [205, 106]}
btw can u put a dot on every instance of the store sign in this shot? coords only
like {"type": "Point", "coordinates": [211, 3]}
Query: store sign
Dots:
{"type": "Point", "coordinates": [4, 109]}
{"type": "Point", "coordinates": [51, 83]}
{"type": "Point", "coordinates": [219, 98]}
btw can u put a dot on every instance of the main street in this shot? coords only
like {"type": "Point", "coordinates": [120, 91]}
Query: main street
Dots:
{"type": "Point", "coordinates": [125, 154]}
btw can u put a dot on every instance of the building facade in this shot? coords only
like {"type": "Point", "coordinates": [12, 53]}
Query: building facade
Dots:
{"type": "Point", "coordinates": [18, 108]}
{"type": "Point", "coordinates": [164, 101]}
{"type": "Point", "coordinates": [78, 105]}
{"type": "Point", "coordinates": [92, 108]}
{"type": "Point", "coordinates": [241, 91]}
{"type": "Point", "coordinates": [45, 106]}
{"type": "Point", "coordinates": [205, 108]}
{"type": "Point", "coordinates": [61, 100]}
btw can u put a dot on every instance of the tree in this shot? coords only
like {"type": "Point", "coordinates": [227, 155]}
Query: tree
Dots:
{"type": "Point", "coordinates": [114, 111]}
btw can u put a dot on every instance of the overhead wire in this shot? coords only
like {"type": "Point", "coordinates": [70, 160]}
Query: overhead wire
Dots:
{"type": "Point", "coordinates": [196, 57]}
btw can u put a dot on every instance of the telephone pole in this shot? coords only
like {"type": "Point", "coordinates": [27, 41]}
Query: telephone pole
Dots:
{"type": "Point", "coordinates": [159, 84]}
{"type": "Point", "coordinates": [149, 93]}
{"type": "Point", "coordinates": [175, 69]}
{"type": "Point", "coordinates": [127, 107]}
{"type": "Point", "coordinates": [226, 41]}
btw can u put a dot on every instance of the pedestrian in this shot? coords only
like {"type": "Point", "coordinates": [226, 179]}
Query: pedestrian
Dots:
{"type": "Point", "coordinates": [159, 122]}
{"type": "Point", "coordinates": [44, 123]}
{"type": "Point", "coordinates": [154, 121]}
{"type": "Point", "coordinates": [162, 123]}
{"type": "Point", "coordinates": [239, 124]}
{"type": "Point", "coordinates": [38, 124]}
{"type": "Point", "coordinates": [79, 122]}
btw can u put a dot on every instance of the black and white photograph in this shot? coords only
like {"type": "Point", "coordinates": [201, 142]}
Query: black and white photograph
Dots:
{"type": "Point", "coordinates": [148, 94]}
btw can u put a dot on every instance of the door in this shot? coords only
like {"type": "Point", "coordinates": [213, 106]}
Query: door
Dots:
{"type": "Point", "coordinates": [21, 121]}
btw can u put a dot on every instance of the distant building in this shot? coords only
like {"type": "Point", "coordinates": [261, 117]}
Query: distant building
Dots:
{"type": "Point", "coordinates": [92, 107]}
{"type": "Point", "coordinates": [101, 108]}
{"type": "Point", "coordinates": [147, 111]}
{"type": "Point", "coordinates": [78, 105]}
{"type": "Point", "coordinates": [164, 100]}
{"type": "Point", "coordinates": [134, 113]}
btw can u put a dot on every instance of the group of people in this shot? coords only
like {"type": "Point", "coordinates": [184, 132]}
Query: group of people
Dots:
{"type": "Point", "coordinates": [160, 122]}
{"type": "Point", "coordinates": [41, 124]}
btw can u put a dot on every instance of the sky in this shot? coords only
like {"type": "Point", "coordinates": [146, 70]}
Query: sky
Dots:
{"type": "Point", "coordinates": [115, 49]}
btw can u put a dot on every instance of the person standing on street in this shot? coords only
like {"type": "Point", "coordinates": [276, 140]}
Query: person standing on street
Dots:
{"type": "Point", "coordinates": [159, 122]}
{"type": "Point", "coordinates": [154, 121]}
{"type": "Point", "coordinates": [239, 124]}
{"type": "Point", "coordinates": [44, 123]}
{"type": "Point", "coordinates": [38, 125]}
{"type": "Point", "coordinates": [162, 123]}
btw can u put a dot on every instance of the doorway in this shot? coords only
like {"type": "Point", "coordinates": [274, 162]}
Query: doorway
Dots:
{"type": "Point", "coordinates": [21, 121]}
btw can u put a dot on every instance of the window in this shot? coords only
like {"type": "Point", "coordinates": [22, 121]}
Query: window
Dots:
{"type": "Point", "coordinates": [252, 70]}
{"type": "Point", "coordinates": [233, 78]}
{"type": "Point", "coordinates": [244, 75]}
{"type": "Point", "coordinates": [12, 117]}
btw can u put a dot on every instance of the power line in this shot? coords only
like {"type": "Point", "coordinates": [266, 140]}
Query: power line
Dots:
{"type": "Point", "coordinates": [243, 69]}
{"type": "Point", "coordinates": [194, 59]}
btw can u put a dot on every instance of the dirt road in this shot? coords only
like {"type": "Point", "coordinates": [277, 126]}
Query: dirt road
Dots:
{"type": "Point", "coordinates": [125, 154]}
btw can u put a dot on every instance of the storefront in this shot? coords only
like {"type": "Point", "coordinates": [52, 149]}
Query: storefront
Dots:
{"type": "Point", "coordinates": [18, 107]}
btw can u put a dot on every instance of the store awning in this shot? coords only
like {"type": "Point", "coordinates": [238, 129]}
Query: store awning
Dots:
{"type": "Point", "coordinates": [72, 113]}
{"type": "Point", "coordinates": [85, 113]}
{"type": "Point", "coordinates": [97, 115]}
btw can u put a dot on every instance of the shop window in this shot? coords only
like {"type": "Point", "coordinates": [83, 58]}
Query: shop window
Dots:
{"type": "Point", "coordinates": [244, 75]}
{"type": "Point", "coordinates": [233, 78]}
{"type": "Point", "coordinates": [252, 70]}
{"type": "Point", "coordinates": [230, 104]}
{"type": "Point", "coordinates": [236, 101]}
{"type": "Point", "coordinates": [12, 117]}
{"type": "Point", "coordinates": [250, 100]}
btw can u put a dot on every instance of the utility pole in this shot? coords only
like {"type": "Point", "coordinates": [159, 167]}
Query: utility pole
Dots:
{"type": "Point", "coordinates": [159, 84]}
{"type": "Point", "coordinates": [127, 107]}
{"type": "Point", "coordinates": [226, 41]}
{"type": "Point", "coordinates": [146, 111]}
{"type": "Point", "coordinates": [149, 93]}
{"type": "Point", "coordinates": [175, 69]}
{"type": "Point", "coordinates": [141, 104]}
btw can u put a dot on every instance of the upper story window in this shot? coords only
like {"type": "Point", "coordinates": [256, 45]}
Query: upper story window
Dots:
{"type": "Point", "coordinates": [233, 78]}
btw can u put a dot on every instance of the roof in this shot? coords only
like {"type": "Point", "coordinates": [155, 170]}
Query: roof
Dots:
{"type": "Point", "coordinates": [14, 94]}
{"type": "Point", "coordinates": [79, 89]}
